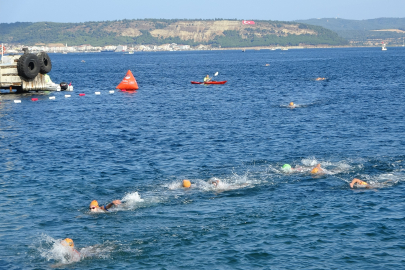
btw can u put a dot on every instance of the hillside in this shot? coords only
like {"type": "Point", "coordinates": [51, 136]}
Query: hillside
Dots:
{"type": "Point", "coordinates": [224, 33]}
{"type": "Point", "coordinates": [384, 29]}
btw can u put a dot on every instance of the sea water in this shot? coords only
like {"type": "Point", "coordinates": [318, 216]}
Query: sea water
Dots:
{"type": "Point", "coordinates": [59, 155]}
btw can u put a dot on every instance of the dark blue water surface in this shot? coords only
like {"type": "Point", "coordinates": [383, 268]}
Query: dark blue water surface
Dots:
{"type": "Point", "coordinates": [59, 155]}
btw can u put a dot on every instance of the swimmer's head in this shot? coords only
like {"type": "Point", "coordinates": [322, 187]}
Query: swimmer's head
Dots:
{"type": "Point", "coordinates": [186, 183]}
{"type": "Point", "coordinates": [291, 103]}
{"type": "Point", "coordinates": [286, 167]}
{"type": "Point", "coordinates": [93, 205]}
{"type": "Point", "coordinates": [215, 183]}
{"type": "Point", "coordinates": [316, 169]}
{"type": "Point", "coordinates": [67, 242]}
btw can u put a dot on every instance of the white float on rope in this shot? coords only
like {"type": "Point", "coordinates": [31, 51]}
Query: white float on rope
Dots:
{"type": "Point", "coordinates": [66, 96]}
{"type": "Point", "coordinates": [112, 91]}
{"type": "Point", "coordinates": [51, 97]}
{"type": "Point", "coordinates": [17, 101]}
{"type": "Point", "coordinates": [97, 93]}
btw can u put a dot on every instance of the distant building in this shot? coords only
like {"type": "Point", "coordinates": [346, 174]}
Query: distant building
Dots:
{"type": "Point", "coordinates": [121, 48]}
{"type": "Point", "coordinates": [183, 47]}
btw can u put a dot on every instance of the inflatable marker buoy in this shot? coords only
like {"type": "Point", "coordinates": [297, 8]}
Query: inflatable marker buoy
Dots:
{"type": "Point", "coordinates": [81, 94]}
{"type": "Point", "coordinates": [34, 99]}
{"type": "Point", "coordinates": [128, 83]}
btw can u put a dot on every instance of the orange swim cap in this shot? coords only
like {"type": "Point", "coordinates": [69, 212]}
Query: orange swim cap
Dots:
{"type": "Point", "coordinates": [291, 103]}
{"type": "Point", "coordinates": [68, 241]}
{"type": "Point", "coordinates": [94, 204]}
{"type": "Point", "coordinates": [314, 170]}
{"type": "Point", "coordinates": [186, 183]}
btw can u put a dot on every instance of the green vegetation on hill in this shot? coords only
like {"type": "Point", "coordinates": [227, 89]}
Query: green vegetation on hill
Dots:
{"type": "Point", "coordinates": [337, 24]}
{"type": "Point", "coordinates": [129, 32]}
{"type": "Point", "coordinates": [234, 39]}
{"type": "Point", "coordinates": [363, 30]}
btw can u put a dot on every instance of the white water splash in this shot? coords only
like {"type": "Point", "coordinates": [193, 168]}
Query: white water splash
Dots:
{"type": "Point", "coordinates": [53, 250]}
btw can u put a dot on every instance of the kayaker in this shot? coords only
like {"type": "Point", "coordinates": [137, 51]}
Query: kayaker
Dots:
{"type": "Point", "coordinates": [207, 78]}
{"type": "Point", "coordinates": [94, 207]}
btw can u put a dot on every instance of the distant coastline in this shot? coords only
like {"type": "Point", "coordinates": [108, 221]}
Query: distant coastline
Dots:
{"type": "Point", "coordinates": [11, 49]}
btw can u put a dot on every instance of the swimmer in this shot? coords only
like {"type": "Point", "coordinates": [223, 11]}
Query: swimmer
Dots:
{"type": "Point", "coordinates": [359, 183]}
{"type": "Point", "coordinates": [288, 168]}
{"type": "Point", "coordinates": [215, 183]}
{"type": "Point", "coordinates": [320, 79]}
{"type": "Point", "coordinates": [186, 183]}
{"type": "Point", "coordinates": [67, 242]}
{"type": "Point", "coordinates": [94, 207]}
{"type": "Point", "coordinates": [292, 105]}
{"type": "Point", "coordinates": [317, 169]}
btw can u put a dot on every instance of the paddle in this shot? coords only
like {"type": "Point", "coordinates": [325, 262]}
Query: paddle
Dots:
{"type": "Point", "coordinates": [216, 74]}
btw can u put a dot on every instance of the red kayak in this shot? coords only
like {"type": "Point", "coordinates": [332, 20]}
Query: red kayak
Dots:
{"type": "Point", "coordinates": [211, 82]}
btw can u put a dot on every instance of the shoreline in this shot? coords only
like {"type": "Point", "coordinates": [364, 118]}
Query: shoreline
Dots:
{"type": "Point", "coordinates": [243, 49]}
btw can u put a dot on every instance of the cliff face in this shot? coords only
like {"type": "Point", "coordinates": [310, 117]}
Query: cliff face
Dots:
{"type": "Point", "coordinates": [225, 33]}
{"type": "Point", "coordinates": [204, 31]}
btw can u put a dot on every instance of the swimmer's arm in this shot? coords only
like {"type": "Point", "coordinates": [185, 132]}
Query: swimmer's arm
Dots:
{"type": "Point", "coordinates": [354, 181]}
{"type": "Point", "coordinates": [360, 182]}
{"type": "Point", "coordinates": [116, 202]}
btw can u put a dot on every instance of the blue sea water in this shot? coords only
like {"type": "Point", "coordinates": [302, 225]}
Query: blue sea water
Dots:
{"type": "Point", "coordinates": [59, 155]}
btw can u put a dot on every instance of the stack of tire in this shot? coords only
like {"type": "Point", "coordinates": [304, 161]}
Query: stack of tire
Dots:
{"type": "Point", "coordinates": [29, 65]}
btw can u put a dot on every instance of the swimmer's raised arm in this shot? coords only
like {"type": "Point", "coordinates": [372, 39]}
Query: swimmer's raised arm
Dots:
{"type": "Point", "coordinates": [115, 202]}
{"type": "Point", "coordinates": [359, 182]}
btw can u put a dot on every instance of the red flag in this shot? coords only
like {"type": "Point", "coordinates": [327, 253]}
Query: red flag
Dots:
{"type": "Point", "coordinates": [248, 22]}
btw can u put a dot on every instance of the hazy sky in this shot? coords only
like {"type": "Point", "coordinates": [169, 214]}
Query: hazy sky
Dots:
{"type": "Point", "coordinates": [283, 10]}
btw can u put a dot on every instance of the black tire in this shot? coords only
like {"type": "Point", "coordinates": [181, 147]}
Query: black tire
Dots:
{"type": "Point", "coordinates": [45, 64]}
{"type": "Point", "coordinates": [28, 66]}
{"type": "Point", "coordinates": [63, 86]}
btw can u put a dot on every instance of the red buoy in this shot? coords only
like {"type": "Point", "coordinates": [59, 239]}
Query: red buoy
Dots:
{"type": "Point", "coordinates": [81, 94]}
{"type": "Point", "coordinates": [34, 99]}
{"type": "Point", "coordinates": [128, 83]}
